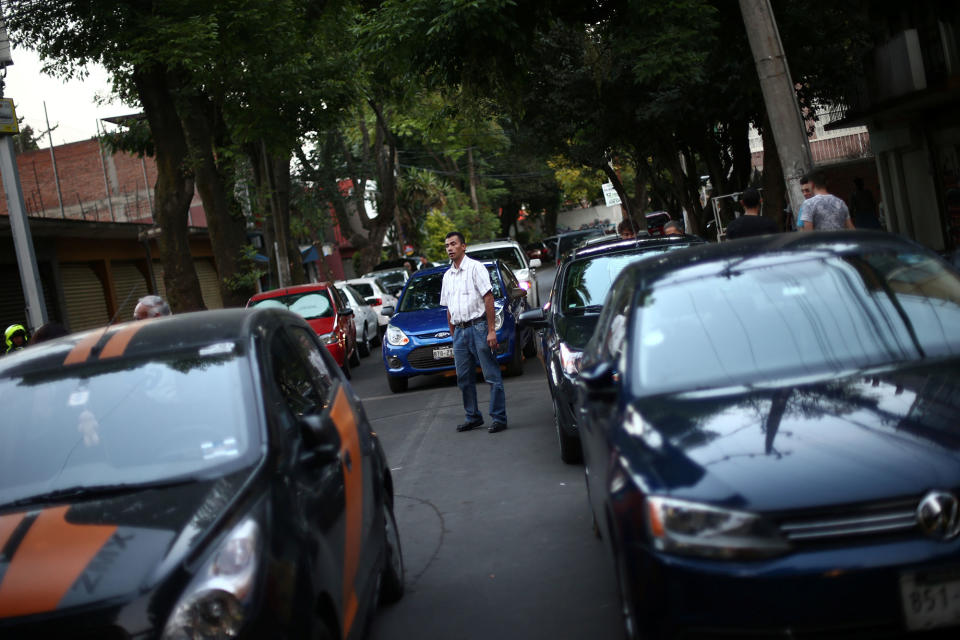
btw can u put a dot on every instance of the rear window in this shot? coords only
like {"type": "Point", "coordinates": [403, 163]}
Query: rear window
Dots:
{"type": "Point", "coordinates": [571, 241]}
{"type": "Point", "coordinates": [587, 282]}
{"type": "Point", "coordinates": [311, 305]}
{"type": "Point", "coordinates": [366, 290]}
{"type": "Point", "coordinates": [510, 256]}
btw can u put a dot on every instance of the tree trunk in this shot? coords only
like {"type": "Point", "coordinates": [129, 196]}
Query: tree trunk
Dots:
{"type": "Point", "coordinates": [225, 220]}
{"type": "Point", "coordinates": [472, 172]}
{"type": "Point", "coordinates": [280, 164]}
{"type": "Point", "coordinates": [774, 186]}
{"type": "Point", "coordinates": [174, 189]}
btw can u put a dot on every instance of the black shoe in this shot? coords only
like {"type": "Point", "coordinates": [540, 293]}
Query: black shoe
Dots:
{"type": "Point", "coordinates": [497, 427]}
{"type": "Point", "coordinates": [466, 426]}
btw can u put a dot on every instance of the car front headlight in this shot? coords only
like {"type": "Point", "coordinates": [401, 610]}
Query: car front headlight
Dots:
{"type": "Point", "coordinates": [396, 337]}
{"type": "Point", "coordinates": [498, 319]}
{"type": "Point", "coordinates": [693, 529]}
{"type": "Point", "coordinates": [215, 604]}
{"type": "Point", "coordinates": [330, 338]}
{"type": "Point", "coordinates": [570, 359]}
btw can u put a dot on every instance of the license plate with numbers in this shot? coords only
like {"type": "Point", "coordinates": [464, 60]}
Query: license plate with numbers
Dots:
{"type": "Point", "coordinates": [442, 352]}
{"type": "Point", "coordinates": [931, 599]}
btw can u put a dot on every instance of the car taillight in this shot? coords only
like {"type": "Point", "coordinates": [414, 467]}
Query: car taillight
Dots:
{"type": "Point", "coordinates": [377, 302]}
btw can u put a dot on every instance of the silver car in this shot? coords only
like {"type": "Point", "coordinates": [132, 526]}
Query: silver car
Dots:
{"type": "Point", "coordinates": [366, 319]}
{"type": "Point", "coordinates": [512, 254]}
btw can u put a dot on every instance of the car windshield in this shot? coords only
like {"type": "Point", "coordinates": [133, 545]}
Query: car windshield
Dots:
{"type": "Point", "coordinates": [366, 290]}
{"type": "Point", "coordinates": [586, 282]}
{"type": "Point", "coordinates": [572, 240]}
{"type": "Point", "coordinates": [354, 296]}
{"type": "Point", "coordinates": [315, 304]}
{"type": "Point", "coordinates": [423, 292]}
{"type": "Point", "coordinates": [121, 423]}
{"type": "Point", "coordinates": [510, 256]}
{"type": "Point", "coordinates": [810, 317]}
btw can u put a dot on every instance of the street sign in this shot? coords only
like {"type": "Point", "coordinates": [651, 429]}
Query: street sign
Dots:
{"type": "Point", "coordinates": [610, 194]}
{"type": "Point", "coordinates": [8, 117]}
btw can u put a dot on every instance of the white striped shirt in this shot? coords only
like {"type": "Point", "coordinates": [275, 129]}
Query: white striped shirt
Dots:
{"type": "Point", "coordinates": [463, 290]}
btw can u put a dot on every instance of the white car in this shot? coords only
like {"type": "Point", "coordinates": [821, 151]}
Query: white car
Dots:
{"type": "Point", "coordinates": [393, 280]}
{"type": "Point", "coordinates": [511, 254]}
{"type": "Point", "coordinates": [376, 296]}
{"type": "Point", "coordinates": [365, 318]}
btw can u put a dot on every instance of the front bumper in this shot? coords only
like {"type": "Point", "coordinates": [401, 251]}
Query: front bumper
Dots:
{"type": "Point", "coordinates": [416, 357]}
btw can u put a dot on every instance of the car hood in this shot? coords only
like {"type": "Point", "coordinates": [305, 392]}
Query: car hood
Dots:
{"type": "Point", "coordinates": [856, 439]}
{"type": "Point", "coordinates": [421, 321]}
{"type": "Point", "coordinates": [71, 555]}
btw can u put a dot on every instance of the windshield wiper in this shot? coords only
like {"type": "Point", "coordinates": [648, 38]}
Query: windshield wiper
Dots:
{"type": "Point", "coordinates": [70, 494]}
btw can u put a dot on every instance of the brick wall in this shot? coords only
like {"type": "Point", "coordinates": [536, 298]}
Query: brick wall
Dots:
{"type": "Point", "coordinates": [80, 169]}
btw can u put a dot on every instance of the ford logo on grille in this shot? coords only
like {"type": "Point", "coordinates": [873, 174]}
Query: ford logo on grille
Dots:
{"type": "Point", "coordinates": [939, 515]}
{"type": "Point", "coordinates": [442, 334]}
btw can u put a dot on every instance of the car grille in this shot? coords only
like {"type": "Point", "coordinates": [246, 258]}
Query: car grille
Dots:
{"type": "Point", "coordinates": [878, 519]}
{"type": "Point", "coordinates": [422, 358]}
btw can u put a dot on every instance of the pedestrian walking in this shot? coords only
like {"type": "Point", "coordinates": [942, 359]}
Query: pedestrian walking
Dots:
{"type": "Point", "coordinates": [15, 338]}
{"type": "Point", "coordinates": [824, 211]}
{"type": "Point", "coordinates": [468, 296]}
{"type": "Point", "coordinates": [751, 223]}
{"type": "Point", "coordinates": [150, 307]}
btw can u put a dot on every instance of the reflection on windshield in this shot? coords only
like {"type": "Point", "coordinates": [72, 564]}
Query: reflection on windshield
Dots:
{"type": "Point", "coordinates": [423, 292]}
{"type": "Point", "coordinates": [139, 422]}
{"type": "Point", "coordinates": [508, 255]}
{"type": "Point", "coordinates": [315, 304]}
{"type": "Point", "coordinates": [810, 317]}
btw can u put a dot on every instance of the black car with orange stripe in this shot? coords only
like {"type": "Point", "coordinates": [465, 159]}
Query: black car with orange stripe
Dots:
{"type": "Point", "coordinates": [207, 475]}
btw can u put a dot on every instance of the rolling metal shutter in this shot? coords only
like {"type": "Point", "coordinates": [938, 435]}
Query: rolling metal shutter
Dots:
{"type": "Point", "coordinates": [13, 307]}
{"type": "Point", "coordinates": [130, 285]}
{"type": "Point", "coordinates": [84, 297]}
{"type": "Point", "coordinates": [209, 283]}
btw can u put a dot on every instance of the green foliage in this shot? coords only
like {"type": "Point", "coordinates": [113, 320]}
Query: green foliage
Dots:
{"type": "Point", "coordinates": [246, 279]}
{"type": "Point", "coordinates": [26, 140]}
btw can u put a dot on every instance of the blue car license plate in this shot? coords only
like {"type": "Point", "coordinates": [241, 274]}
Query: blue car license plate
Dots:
{"type": "Point", "coordinates": [931, 599]}
{"type": "Point", "coordinates": [442, 352]}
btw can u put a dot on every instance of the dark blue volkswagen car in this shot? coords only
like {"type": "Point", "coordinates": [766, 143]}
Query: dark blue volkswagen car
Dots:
{"type": "Point", "coordinates": [418, 341]}
{"type": "Point", "coordinates": [771, 439]}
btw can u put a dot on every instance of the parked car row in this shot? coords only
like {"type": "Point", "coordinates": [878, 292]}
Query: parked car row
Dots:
{"type": "Point", "coordinates": [771, 420]}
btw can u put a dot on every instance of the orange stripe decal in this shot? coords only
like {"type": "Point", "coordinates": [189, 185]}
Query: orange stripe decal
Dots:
{"type": "Point", "coordinates": [346, 423]}
{"type": "Point", "coordinates": [82, 350]}
{"type": "Point", "coordinates": [118, 342]}
{"type": "Point", "coordinates": [48, 561]}
{"type": "Point", "coordinates": [8, 525]}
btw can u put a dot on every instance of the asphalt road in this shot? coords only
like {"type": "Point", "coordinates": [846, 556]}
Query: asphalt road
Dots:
{"type": "Point", "coordinates": [495, 529]}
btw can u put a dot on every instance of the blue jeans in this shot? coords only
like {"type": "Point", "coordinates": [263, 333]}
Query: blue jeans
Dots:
{"type": "Point", "coordinates": [470, 349]}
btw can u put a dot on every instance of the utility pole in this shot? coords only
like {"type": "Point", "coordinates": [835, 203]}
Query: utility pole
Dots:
{"type": "Point", "coordinates": [19, 224]}
{"type": "Point", "coordinates": [779, 95]}
{"type": "Point", "coordinates": [53, 160]}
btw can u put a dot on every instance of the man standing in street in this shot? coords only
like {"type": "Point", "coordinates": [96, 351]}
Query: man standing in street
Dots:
{"type": "Point", "coordinates": [751, 223]}
{"type": "Point", "coordinates": [468, 297]}
{"type": "Point", "coordinates": [823, 212]}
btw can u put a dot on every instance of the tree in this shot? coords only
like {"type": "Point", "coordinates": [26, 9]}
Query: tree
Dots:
{"type": "Point", "coordinates": [26, 140]}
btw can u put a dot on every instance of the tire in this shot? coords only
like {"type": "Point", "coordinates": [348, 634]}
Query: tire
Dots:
{"type": "Point", "coordinates": [515, 366]}
{"type": "Point", "coordinates": [397, 384]}
{"type": "Point", "coordinates": [355, 356]}
{"type": "Point", "coordinates": [570, 450]}
{"type": "Point", "coordinates": [375, 340]}
{"type": "Point", "coordinates": [363, 345]}
{"type": "Point", "coordinates": [346, 368]}
{"type": "Point", "coordinates": [530, 346]}
{"type": "Point", "coordinates": [391, 583]}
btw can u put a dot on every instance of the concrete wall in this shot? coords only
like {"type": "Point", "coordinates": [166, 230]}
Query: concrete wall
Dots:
{"type": "Point", "coordinates": [575, 218]}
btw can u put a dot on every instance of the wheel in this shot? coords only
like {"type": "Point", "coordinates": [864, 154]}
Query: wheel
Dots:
{"type": "Point", "coordinates": [375, 340]}
{"type": "Point", "coordinates": [391, 585]}
{"type": "Point", "coordinates": [515, 366]}
{"type": "Point", "coordinates": [530, 346]}
{"type": "Point", "coordinates": [346, 368]}
{"type": "Point", "coordinates": [355, 356]}
{"type": "Point", "coordinates": [398, 384]}
{"type": "Point", "coordinates": [570, 451]}
{"type": "Point", "coordinates": [363, 345]}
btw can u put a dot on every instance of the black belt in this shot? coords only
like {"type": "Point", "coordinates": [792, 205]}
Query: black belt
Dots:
{"type": "Point", "coordinates": [464, 325]}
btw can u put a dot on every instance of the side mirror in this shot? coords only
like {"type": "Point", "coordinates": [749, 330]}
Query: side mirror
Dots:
{"type": "Point", "coordinates": [321, 447]}
{"type": "Point", "coordinates": [533, 318]}
{"type": "Point", "coordinates": [386, 310]}
{"type": "Point", "coordinates": [600, 380]}
{"type": "Point", "coordinates": [517, 292]}
{"type": "Point", "coordinates": [346, 311]}
{"type": "Point", "coordinates": [535, 263]}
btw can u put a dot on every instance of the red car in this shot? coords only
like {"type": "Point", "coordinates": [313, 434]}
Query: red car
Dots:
{"type": "Point", "coordinates": [326, 311]}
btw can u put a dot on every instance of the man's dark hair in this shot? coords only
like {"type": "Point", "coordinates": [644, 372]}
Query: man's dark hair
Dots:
{"type": "Point", "coordinates": [816, 177]}
{"type": "Point", "coordinates": [750, 198]}
{"type": "Point", "coordinates": [625, 225]}
{"type": "Point", "coordinates": [455, 233]}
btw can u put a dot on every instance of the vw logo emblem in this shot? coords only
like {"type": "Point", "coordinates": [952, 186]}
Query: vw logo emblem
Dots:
{"type": "Point", "coordinates": [442, 334]}
{"type": "Point", "coordinates": [939, 515]}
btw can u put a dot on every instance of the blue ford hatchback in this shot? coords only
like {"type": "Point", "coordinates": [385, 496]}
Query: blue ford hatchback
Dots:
{"type": "Point", "coordinates": [418, 341]}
